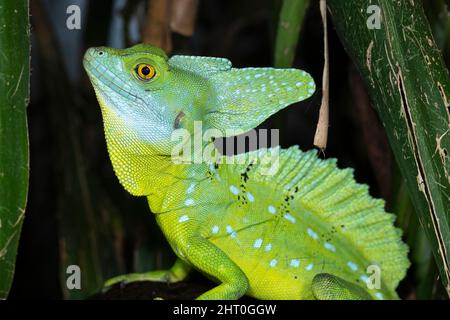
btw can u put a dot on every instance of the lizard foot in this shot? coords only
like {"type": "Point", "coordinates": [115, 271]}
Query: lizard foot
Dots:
{"type": "Point", "coordinates": [178, 272]}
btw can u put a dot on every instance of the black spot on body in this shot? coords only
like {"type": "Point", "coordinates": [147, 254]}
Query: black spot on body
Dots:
{"type": "Point", "coordinates": [244, 176]}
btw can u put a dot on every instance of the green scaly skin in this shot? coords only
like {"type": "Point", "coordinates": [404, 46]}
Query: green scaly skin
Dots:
{"type": "Point", "coordinates": [308, 231]}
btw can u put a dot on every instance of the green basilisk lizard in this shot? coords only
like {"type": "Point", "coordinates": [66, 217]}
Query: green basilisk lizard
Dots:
{"type": "Point", "coordinates": [306, 231]}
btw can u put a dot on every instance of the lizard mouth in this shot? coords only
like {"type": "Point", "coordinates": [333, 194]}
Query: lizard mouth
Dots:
{"type": "Point", "coordinates": [98, 72]}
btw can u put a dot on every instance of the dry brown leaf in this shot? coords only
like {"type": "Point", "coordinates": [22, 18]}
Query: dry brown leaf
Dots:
{"type": "Point", "coordinates": [183, 15]}
{"type": "Point", "coordinates": [156, 30]}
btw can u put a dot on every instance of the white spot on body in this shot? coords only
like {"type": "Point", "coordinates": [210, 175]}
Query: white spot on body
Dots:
{"type": "Point", "coordinates": [299, 84]}
{"type": "Point", "coordinates": [309, 267]}
{"type": "Point", "coordinates": [215, 229]}
{"type": "Point", "coordinates": [189, 202]}
{"type": "Point", "coordinates": [329, 246]}
{"type": "Point", "coordinates": [273, 262]}
{"type": "Point", "coordinates": [379, 296]}
{"type": "Point", "coordinates": [295, 263]}
{"type": "Point", "coordinates": [234, 190]}
{"type": "Point", "coordinates": [312, 234]}
{"type": "Point", "coordinates": [290, 218]}
{"type": "Point", "coordinates": [183, 218]}
{"type": "Point", "coordinates": [272, 209]}
{"type": "Point", "coordinates": [191, 188]}
{"type": "Point", "coordinates": [268, 247]}
{"type": "Point", "coordinates": [364, 278]}
{"type": "Point", "coordinates": [352, 266]}
{"type": "Point", "coordinates": [250, 197]}
{"type": "Point", "coordinates": [257, 243]}
{"type": "Point", "coordinates": [231, 232]}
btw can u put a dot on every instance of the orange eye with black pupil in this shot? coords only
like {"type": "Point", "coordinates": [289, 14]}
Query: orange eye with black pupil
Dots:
{"type": "Point", "coordinates": [145, 71]}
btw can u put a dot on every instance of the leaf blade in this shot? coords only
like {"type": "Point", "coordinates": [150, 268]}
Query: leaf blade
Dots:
{"type": "Point", "coordinates": [409, 84]}
{"type": "Point", "coordinates": [289, 25]}
{"type": "Point", "coordinates": [14, 91]}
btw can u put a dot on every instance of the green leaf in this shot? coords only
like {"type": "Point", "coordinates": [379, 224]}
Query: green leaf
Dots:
{"type": "Point", "coordinates": [437, 13]}
{"type": "Point", "coordinates": [420, 250]}
{"type": "Point", "coordinates": [289, 26]}
{"type": "Point", "coordinates": [14, 90]}
{"type": "Point", "coordinates": [409, 85]}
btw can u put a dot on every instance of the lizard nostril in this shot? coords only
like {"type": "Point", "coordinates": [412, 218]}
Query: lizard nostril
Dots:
{"type": "Point", "coordinates": [100, 53]}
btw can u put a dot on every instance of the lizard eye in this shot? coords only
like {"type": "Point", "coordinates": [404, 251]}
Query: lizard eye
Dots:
{"type": "Point", "coordinates": [145, 71]}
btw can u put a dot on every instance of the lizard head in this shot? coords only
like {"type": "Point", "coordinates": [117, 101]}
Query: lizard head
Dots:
{"type": "Point", "coordinates": [130, 85]}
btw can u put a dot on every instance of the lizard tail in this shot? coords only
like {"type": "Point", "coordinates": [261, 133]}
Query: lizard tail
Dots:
{"type": "Point", "coordinates": [329, 287]}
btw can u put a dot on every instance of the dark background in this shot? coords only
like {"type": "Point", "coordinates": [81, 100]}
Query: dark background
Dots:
{"type": "Point", "coordinates": [78, 213]}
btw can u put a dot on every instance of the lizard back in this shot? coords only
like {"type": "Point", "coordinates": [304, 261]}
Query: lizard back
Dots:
{"type": "Point", "coordinates": [282, 230]}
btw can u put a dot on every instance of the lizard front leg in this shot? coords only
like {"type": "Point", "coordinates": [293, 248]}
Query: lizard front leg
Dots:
{"type": "Point", "coordinates": [177, 272]}
{"type": "Point", "coordinates": [209, 259]}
